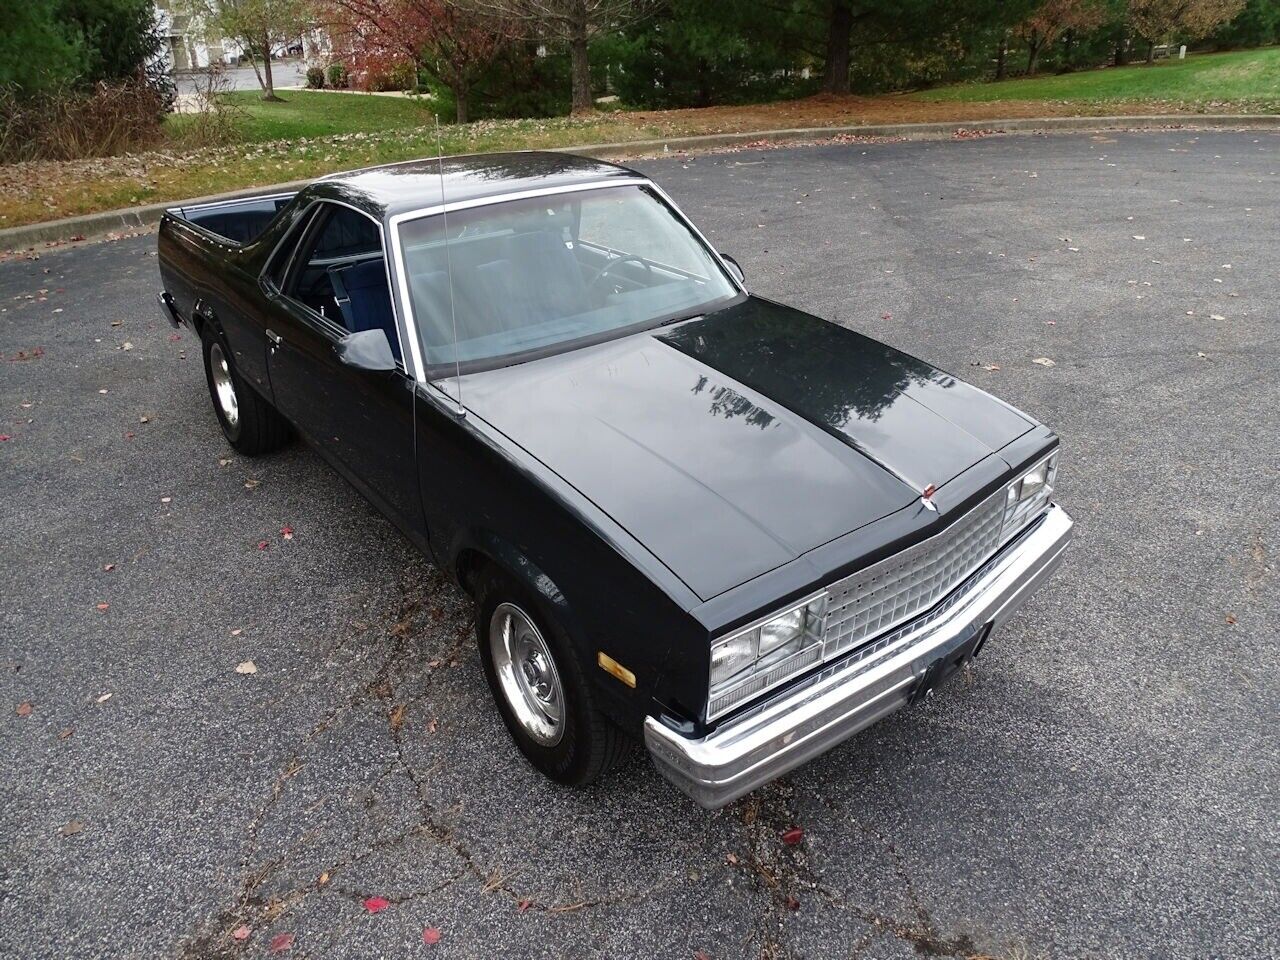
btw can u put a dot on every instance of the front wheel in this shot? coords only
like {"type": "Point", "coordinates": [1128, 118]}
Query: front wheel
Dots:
{"type": "Point", "coordinates": [250, 424]}
{"type": "Point", "coordinates": [538, 683]}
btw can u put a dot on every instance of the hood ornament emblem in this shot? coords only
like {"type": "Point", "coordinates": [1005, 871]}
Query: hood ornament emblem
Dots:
{"type": "Point", "coordinates": [926, 497]}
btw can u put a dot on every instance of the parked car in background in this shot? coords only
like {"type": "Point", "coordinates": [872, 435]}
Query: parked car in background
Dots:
{"type": "Point", "coordinates": [687, 515]}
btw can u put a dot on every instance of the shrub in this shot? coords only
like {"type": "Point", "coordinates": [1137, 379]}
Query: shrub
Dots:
{"type": "Point", "coordinates": [338, 76]}
{"type": "Point", "coordinates": [71, 124]}
{"type": "Point", "coordinates": [315, 78]}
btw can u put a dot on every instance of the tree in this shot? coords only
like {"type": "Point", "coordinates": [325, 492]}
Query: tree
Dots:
{"type": "Point", "coordinates": [704, 52]}
{"type": "Point", "coordinates": [259, 26]}
{"type": "Point", "coordinates": [1157, 20]}
{"type": "Point", "coordinates": [572, 22]}
{"type": "Point", "coordinates": [37, 50]}
{"type": "Point", "coordinates": [1051, 19]}
{"type": "Point", "coordinates": [452, 42]}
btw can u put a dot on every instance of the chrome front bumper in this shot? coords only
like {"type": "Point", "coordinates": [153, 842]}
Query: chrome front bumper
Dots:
{"type": "Point", "coordinates": [792, 728]}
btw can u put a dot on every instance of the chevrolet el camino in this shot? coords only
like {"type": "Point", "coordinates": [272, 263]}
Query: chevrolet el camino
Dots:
{"type": "Point", "coordinates": [687, 515]}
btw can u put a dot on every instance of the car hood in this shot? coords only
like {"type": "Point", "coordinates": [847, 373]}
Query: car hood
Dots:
{"type": "Point", "coordinates": [734, 443]}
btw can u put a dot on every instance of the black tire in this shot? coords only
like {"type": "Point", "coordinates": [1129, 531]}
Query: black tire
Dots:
{"type": "Point", "coordinates": [256, 427]}
{"type": "Point", "coordinates": [590, 744]}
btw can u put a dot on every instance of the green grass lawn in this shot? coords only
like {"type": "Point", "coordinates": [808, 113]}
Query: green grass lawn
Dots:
{"type": "Point", "coordinates": [310, 113]}
{"type": "Point", "coordinates": [1242, 77]}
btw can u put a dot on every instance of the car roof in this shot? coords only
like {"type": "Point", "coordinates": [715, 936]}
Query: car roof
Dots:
{"type": "Point", "coordinates": [403, 187]}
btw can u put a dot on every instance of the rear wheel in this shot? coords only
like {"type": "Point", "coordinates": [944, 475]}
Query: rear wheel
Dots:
{"type": "Point", "coordinates": [250, 424]}
{"type": "Point", "coordinates": [539, 686]}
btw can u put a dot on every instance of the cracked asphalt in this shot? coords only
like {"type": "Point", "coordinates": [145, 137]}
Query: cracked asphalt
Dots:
{"type": "Point", "coordinates": [1102, 785]}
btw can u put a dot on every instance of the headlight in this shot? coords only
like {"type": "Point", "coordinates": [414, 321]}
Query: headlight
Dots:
{"type": "Point", "coordinates": [765, 654]}
{"type": "Point", "coordinates": [1029, 494]}
{"type": "Point", "coordinates": [730, 656]}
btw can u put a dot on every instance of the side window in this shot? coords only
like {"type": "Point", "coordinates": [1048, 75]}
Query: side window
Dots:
{"type": "Point", "coordinates": [283, 256]}
{"type": "Point", "coordinates": [341, 273]}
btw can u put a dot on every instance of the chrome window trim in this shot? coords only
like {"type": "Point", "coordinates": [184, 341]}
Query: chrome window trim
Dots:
{"type": "Point", "coordinates": [304, 220]}
{"type": "Point", "coordinates": [401, 283]}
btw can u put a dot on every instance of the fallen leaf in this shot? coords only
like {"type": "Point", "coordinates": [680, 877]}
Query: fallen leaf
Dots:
{"type": "Point", "coordinates": [992, 366]}
{"type": "Point", "coordinates": [70, 829]}
{"type": "Point", "coordinates": [287, 532]}
{"type": "Point", "coordinates": [4, 437]}
{"type": "Point", "coordinates": [24, 709]}
{"type": "Point", "coordinates": [126, 345]}
{"type": "Point", "coordinates": [431, 935]}
{"type": "Point", "coordinates": [104, 607]}
{"type": "Point", "coordinates": [102, 391]}
{"type": "Point", "coordinates": [323, 878]}
{"type": "Point", "coordinates": [1216, 316]}
{"type": "Point", "coordinates": [236, 632]}
{"type": "Point", "coordinates": [223, 461]}
{"type": "Point", "coordinates": [166, 499]}
{"type": "Point", "coordinates": [104, 698]}
{"type": "Point", "coordinates": [793, 836]}
{"type": "Point", "coordinates": [731, 858]}
{"type": "Point", "coordinates": [397, 716]}
{"type": "Point", "coordinates": [108, 567]}
{"type": "Point", "coordinates": [144, 419]}
{"type": "Point", "coordinates": [701, 955]}
{"type": "Point", "coordinates": [793, 903]}
{"type": "Point", "coordinates": [247, 666]}
{"type": "Point", "coordinates": [280, 943]}
{"type": "Point", "coordinates": [262, 544]}
{"type": "Point", "coordinates": [376, 904]}
{"type": "Point", "coordinates": [1231, 618]}
{"type": "Point", "coordinates": [251, 483]}
{"type": "Point", "coordinates": [1044, 362]}
{"type": "Point", "coordinates": [65, 734]}
{"type": "Point", "coordinates": [432, 724]}
{"type": "Point", "coordinates": [241, 933]}
{"type": "Point", "coordinates": [524, 905]}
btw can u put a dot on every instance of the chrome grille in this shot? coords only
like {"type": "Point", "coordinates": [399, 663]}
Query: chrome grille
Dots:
{"type": "Point", "coordinates": [885, 594]}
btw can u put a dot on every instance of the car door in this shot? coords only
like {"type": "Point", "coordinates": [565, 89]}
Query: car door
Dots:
{"type": "Point", "coordinates": [335, 283]}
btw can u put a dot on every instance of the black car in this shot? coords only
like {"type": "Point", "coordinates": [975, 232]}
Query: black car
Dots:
{"type": "Point", "coordinates": [686, 514]}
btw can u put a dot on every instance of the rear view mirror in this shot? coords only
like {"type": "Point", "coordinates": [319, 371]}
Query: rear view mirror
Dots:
{"type": "Point", "coordinates": [366, 350]}
{"type": "Point", "coordinates": [734, 267]}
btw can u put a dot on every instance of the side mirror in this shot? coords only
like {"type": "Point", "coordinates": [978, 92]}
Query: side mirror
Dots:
{"type": "Point", "coordinates": [366, 350]}
{"type": "Point", "coordinates": [734, 267]}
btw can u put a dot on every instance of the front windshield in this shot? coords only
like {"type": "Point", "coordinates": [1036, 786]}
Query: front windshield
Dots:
{"type": "Point", "coordinates": [541, 274]}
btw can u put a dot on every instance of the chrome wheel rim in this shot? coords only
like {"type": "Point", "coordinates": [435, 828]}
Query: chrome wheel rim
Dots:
{"type": "Point", "coordinates": [224, 390]}
{"type": "Point", "coordinates": [527, 674]}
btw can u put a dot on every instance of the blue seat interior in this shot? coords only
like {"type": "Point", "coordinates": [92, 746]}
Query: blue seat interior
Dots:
{"type": "Point", "coordinates": [364, 298]}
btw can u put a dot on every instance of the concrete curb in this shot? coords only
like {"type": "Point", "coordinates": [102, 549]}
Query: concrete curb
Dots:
{"type": "Point", "coordinates": [96, 225]}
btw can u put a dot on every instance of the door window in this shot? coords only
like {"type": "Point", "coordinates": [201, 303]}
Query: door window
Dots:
{"type": "Point", "coordinates": [341, 274]}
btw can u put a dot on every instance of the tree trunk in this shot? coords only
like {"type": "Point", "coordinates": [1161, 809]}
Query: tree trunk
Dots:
{"type": "Point", "coordinates": [1002, 54]}
{"type": "Point", "coordinates": [839, 28]}
{"type": "Point", "coordinates": [1151, 51]}
{"type": "Point", "coordinates": [1033, 56]}
{"type": "Point", "coordinates": [268, 85]}
{"type": "Point", "coordinates": [580, 64]}
{"type": "Point", "coordinates": [461, 95]}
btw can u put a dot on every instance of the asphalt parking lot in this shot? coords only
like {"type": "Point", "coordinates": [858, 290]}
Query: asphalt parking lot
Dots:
{"type": "Point", "coordinates": [1103, 785]}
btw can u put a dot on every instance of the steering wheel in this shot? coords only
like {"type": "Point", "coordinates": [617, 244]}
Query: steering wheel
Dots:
{"type": "Point", "coordinates": [604, 271]}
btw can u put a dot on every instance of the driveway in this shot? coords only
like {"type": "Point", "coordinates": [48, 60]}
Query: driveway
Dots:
{"type": "Point", "coordinates": [1103, 785]}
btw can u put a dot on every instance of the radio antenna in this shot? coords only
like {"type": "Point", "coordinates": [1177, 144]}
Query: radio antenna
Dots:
{"type": "Point", "coordinates": [448, 261]}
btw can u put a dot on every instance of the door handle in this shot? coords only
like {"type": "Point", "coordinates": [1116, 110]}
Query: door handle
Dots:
{"type": "Point", "coordinates": [275, 338]}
